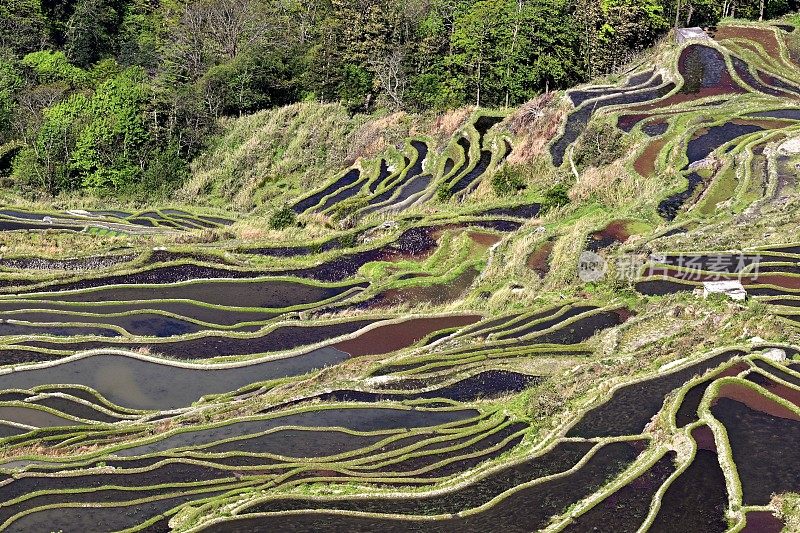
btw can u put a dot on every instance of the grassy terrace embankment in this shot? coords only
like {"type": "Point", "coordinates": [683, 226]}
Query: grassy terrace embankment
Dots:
{"type": "Point", "coordinates": [352, 322]}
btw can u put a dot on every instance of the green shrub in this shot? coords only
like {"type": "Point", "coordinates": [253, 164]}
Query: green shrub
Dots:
{"type": "Point", "coordinates": [599, 145]}
{"type": "Point", "coordinates": [555, 197]}
{"type": "Point", "coordinates": [282, 218]}
{"type": "Point", "coordinates": [506, 182]}
{"type": "Point", "coordinates": [443, 193]}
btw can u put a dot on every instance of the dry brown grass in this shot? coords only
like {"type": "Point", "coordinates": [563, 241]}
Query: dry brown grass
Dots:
{"type": "Point", "coordinates": [614, 186]}
{"type": "Point", "coordinates": [448, 123]}
{"type": "Point", "coordinates": [534, 125]}
{"type": "Point", "coordinates": [374, 136]}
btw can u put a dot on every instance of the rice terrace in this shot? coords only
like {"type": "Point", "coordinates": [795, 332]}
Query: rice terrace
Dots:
{"type": "Point", "coordinates": [275, 266]}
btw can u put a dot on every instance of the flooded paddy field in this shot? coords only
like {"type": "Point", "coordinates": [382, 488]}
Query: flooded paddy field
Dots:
{"type": "Point", "coordinates": [420, 349]}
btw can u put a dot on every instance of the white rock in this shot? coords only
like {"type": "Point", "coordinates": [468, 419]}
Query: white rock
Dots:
{"type": "Point", "coordinates": [732, 289]}
{"type": "Point", "coordinates": [790, 147]}
{"type": "Point", "coordinates": [775, 354]}
{"type": "Point", "coordinates": [686, 34]}
{"type": "Point", "coordinates": [673, 364]}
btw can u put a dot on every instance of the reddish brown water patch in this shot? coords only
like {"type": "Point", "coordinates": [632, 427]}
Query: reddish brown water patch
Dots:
{"type": "Point", "coordinates": [788, 282]}
{"type": "Point", "coordinates": [762, 522]}
{"type": "Point", "coordinates": [752, 399]}
{"type": "Point", "coordinates": [704, 438]}
{"type": "Point", "coordinates": [687, 412]}
{"type": "Point", "coordinates": [617, 231]}
{"type": "Point", "coordinates": [645, 164]}
{"type": "Point", "coordinates": [681, 98]}
{"type": "Point", "coordinates": [539, 260]}
{"type": "Point", "coordinates": [385, 339]}
{"type": "Point", "coordinates": [437, 294]}
{"type": "Point", "coordinates": [778, 389]}
{"type": "Point", "coordinates": [484, 239]}
{"type": "Point", "coordinates": [766, 38]}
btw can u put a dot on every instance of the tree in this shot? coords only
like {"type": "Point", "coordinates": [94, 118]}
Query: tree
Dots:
{"type": "Point", "coordinates": [254, 80]}
{"type": "Point", "coordinates": [46, 162]}
{"type": "Point", "coordinates": [90, 31]}
{"type": "Point", "coordinates": [10, 83]}
{"type": "Point", "coordinates": [110, 151]}
{"type": "Point", "coordinates": [23, 27]}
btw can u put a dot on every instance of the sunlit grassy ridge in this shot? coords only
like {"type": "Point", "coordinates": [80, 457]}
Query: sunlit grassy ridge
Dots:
{"type": "Point", "coordinates": [418, 345]}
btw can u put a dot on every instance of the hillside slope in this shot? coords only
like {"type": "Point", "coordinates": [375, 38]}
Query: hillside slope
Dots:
{"type": "Point", "coordinates": [577, 315]}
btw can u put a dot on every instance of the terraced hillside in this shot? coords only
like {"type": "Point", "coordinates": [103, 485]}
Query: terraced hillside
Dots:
{"type": "Point", "coordinates": [509, 324]}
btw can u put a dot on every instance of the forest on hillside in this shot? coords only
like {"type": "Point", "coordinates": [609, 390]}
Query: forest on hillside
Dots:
{"type": "Point", "coordinates": [118, 96]}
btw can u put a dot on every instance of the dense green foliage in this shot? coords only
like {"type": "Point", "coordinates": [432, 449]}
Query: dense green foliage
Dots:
{"type": "Point", "coordinates": [117, 96]}
{"type": "Point", "coordinates": [282, 218]}
{"type": "Point", "coordinates": [506, 182]}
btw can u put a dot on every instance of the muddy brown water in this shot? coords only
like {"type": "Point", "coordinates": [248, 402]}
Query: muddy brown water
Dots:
{"type": "Point", "coordinates": [764, 37]}
{"type": "Point", "coordinates": [485, 240]}
{"type": "Point", "coordinates": [616, 232]}
{"type": "Point", "coordinates": [687, 412]}
{"type": "Point", "coordinates": [756, 401]}
{"type": "Point", "coordinates": [645, 164]}
{"type": "Point", "coordinates": [391, 337]}
{"type": "Point", "coordinates": [787, 393]}
{"type": "Point", "coordinates": [764, 449]}
{"type": "Point", "coordinates": [539, 260]}
{"type": "Point", "coordinates": [762, 522]}
{"type": "Point", "coordinates": [704, 438]}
